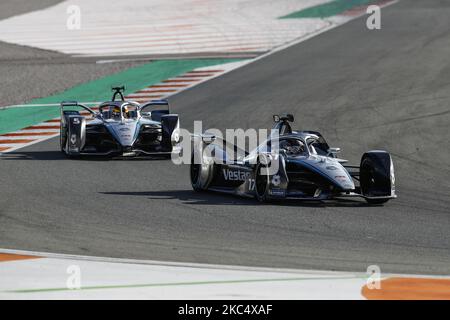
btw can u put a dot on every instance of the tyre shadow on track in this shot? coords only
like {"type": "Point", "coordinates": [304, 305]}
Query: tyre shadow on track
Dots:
{"type": "Point", "coordinates": [33, 155]}
{"type": "Point", "coordinates": [214, 198]}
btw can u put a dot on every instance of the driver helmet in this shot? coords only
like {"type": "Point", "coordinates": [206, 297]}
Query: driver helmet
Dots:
{"type": "Point", "coordinates": [126, 112]}
{"type": "Point", "coordinates": [116, 111]}
{"type": "Point", "coordinates": [292, 146]}
{"type": "Point", "coordinates": [284, 144]}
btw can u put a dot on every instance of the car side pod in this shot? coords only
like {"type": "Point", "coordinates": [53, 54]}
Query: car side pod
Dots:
{"type": "Point", "coordinates": [169, 124]}
{"type": "Point", "coordinates": [377, 178]}
{"type": "Point", "coordinates": [76, 134]}
{"type": "Point", "coordinates": [73, 128]}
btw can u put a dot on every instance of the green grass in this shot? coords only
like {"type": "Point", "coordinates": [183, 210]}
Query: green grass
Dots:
{"type": "Point", "coordinates": [328, 9]}
{"type": "Point", "coordinates": [100, 90]}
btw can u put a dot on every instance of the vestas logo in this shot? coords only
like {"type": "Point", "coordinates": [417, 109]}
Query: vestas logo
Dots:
{"type": "Point", "coordinates": [235, 175]}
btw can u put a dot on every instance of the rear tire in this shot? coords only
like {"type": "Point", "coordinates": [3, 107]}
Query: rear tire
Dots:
{"type": "Point", "coordinates": [262, 183]}
{"type": "Point", "coordinates": [199, 180]}
{"type": "Point", "coordinates": [64, 148]}
{"type": "Point", "coordinates": [62, 142]}
{"type": "Point", "coordinates": [195, 176]}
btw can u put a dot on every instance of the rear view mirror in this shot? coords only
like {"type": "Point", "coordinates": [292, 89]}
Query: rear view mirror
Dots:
{"type": "Point", "coordinates": [333, 151]}
{"type": "Point", "coordinates": [276, 118]}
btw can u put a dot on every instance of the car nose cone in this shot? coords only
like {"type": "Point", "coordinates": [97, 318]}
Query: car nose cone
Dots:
{"type": "Point", "coordinates": [124, 132]}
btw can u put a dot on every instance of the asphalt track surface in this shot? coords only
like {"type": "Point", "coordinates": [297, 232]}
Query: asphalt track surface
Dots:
{"type": "Point", "coordinates": [362, 89]}
{"type": "Point", "coordinates": [9, 8]}
{"type": "Point", "coordinates": [29, 73]}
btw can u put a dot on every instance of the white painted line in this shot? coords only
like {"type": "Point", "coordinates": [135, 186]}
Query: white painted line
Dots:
{"type": "Point", "coordinates": [140, 95]}
{"type": "Point", "coordinates": [37, 127]}
{"type": "Point", "coordinates": [3, 138]}
{"type": "Point", "coordinates": [43, 105]}
{"type": "Point", "coordinates": [10, 146]}
{"type": "Point", "coordinates": [176, 28]}
{"type": "Point", "coordinates": [28, 136]}
{"type": "Point", "coordinates": [167, 263]}
{"type": "Point", "coordinates": [51, 255]}
{"type": "Point", "coordinates": [36, 131]}
{"type": "Point", "coordinates": [29, 144]}
{"type": "Point", "coordinates": [46, 278]}
{"type": "Point", "coordinates": [153, 91]}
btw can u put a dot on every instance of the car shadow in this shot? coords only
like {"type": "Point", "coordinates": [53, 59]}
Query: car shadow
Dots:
{"type": "Point", "coordinates": [33, 155]}
{"type": "Point", "coordinates": [216, 198]}
{"type": "Point", "coordinates": [58, 155]}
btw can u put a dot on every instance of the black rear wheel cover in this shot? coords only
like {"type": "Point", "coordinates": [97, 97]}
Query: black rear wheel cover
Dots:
{"type": "Point", "coordinates": [195, 175]}
{"type": "Point", "coordinates": [261, 184]}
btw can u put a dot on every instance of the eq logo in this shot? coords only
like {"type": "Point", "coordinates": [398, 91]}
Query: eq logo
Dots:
{"type": "Point", "coordinates": [235, 175]}
{"type": "Point", "coordinates": [276, 180]}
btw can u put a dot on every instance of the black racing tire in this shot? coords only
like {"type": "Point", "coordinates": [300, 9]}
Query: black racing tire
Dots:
{"type": "Point", "coordinates": [64, 146]}
{"type": "Point", "coordinates": [61, 146]}
{"type": "Point", "coordinates": [166, 156]}
{"type": "Point", "coordinates": [67, 154]}
{"type": "Point", "coordinates": [64, 149]}
{"type": "Point", "coordinates": [61, 143]}
{"type": "Point", "coordinates": [72, 156]}
{"type": "Point", "coordinates": [375, 176]}
{"type": "Point", "coordinates": [262, 183]}
{"type": "Point", "coordinates": [195, 175]}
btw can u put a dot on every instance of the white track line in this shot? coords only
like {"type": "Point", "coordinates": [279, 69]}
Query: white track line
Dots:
{"type": "Point", "coordinates": [164, 263]}
{"type": "Point", "coordinates": [176, 27]}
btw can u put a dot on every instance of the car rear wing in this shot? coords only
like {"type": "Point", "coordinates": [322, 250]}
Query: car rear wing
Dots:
{"type": "Point", "coordinates": [282, 123]}
{"type": "Point", "coordinates": [155, 109]}
{"type": "Point", "coordinates": [65, 104]}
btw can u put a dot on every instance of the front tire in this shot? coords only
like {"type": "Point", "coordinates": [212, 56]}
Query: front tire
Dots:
{"type": "Point", "coordinates": [195, 176]}
{"type": "Point", "coordinates": [376, 176]}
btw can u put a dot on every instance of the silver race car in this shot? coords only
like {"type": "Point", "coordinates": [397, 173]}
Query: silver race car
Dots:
{"type": "Point", "coordinates": [119, 128]}
{"type": "Point", "coordinates": [307, 168]}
